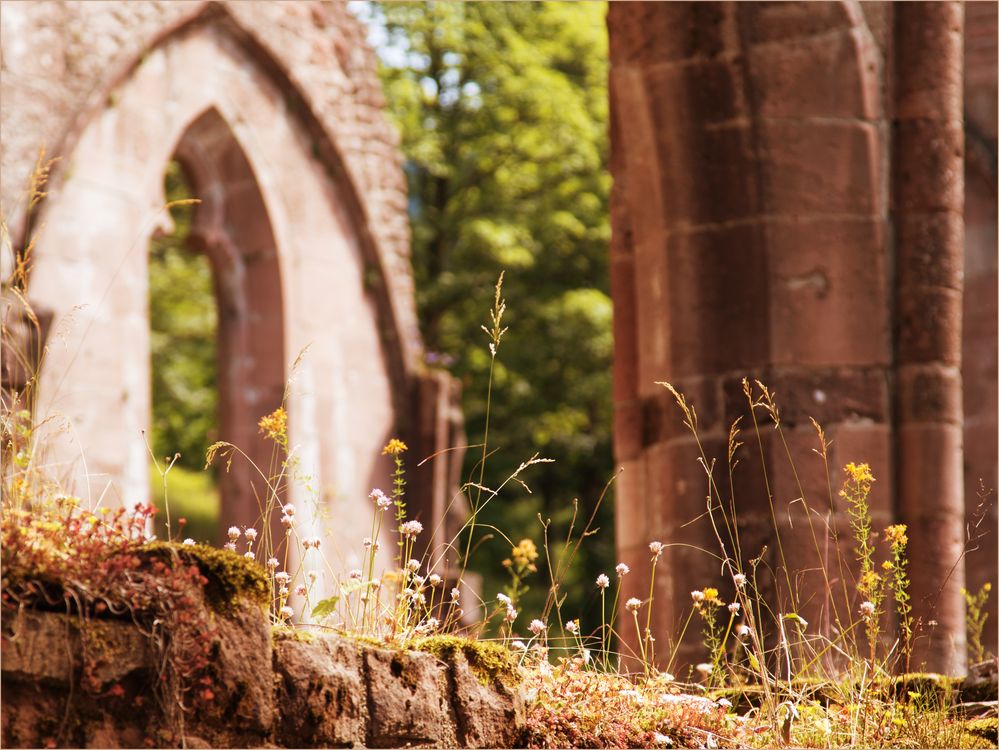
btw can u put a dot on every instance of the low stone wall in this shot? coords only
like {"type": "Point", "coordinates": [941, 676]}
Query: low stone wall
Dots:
{"type": "Point", "coordinates": [72, 683]}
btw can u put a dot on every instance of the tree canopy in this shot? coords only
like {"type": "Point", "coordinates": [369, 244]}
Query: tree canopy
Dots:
{"type": "Point", "coordinates": [502, 109]}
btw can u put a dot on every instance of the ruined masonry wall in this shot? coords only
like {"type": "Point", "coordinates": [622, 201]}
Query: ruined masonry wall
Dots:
{"type": "Point", "coordinates": [292, 691]}
{"type": "Point", "coordinates": [61, 60]}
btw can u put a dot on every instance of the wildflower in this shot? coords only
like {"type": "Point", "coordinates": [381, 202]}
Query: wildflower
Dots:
{"type": "Point", "coordinates": [282, 577]}
{"type": "Point", "coordinates": [432, 624]}
{"type": "Point", "coordinates": [354, 575]}
{"type": "Point", "coordinates": [250, 533]}
{"type": "Point", "coordinates": [283, 592]}
{"type": "Point", "coordinates": [413, 565]}
{"type": "Point", "coordinates": [272, 563]}
{"type": "Point", "coordinates": [724, 702]}
{"type": "Point", "coordinates": [300, 590]}
{"type": "Point", "coordinates": [895, 535]}
{"type": "Point", "coordinates": [231, 546]}
{"type": "Point", "coordinates": [287, 521]}
{"type": "Point", "coordinates": [234, 533]}
{"type": "Point", "coordinates": [383, 501]}
{"type": "Point", "coordinates": [867, 608]}
{"type": "Point", "coordinates": [313, 542]}
{"type": "Point", "coordinates": [418, 581]}
{"type": "Point", "coordinates": [711, 595]}
{"type": "Point", "coordinates": [435, 580]}
{"type": "Point", "coordinates": [411, 529]}
{"type": "Point", "coordinates": [249, 555]}
{"type": "Point", "coordinates": [275, 425]}
{"type": "Point", "coordinates": [742, 630]}
{"type": "Point", "coordinates": [536, 627]}
{"type": "Point", "coordinates": [504, 599]}
{"type": "Point", "coordinates": [633, 604]}
{"type": "Point", "coordinates": [518, 646]}
{"type": "Point", "coordinates": [524, 555]}
{"type": "Point", "coordinates": [455, 594]}
{"type": "Point", "coordinates": [662, 739]}
{"type": "Point", "coordinates": [656, 548]}
{"type": "Point", "coordinates": [376, 583]}
{"type": "Point", "coordinates": [622, 570]}
{"type": "Point", "coordinates": [189, 541]}
{"type": "Point", "coordinates": [394, 447]}
{"type": "Point", "coordinates": [739, 579]}
{"type": "Point", "coordinates": [288, 510]}
{"type": "Point", "coordinates": [572, 626]}
{"type": "Point", "coordinates": [511, 615]}
{"type": "Point", "coordinates": [697, 596]}
{"type": "Point", "coordinates": [705, 668]}
{"type": "Point", "coordinates": [602, 581]}
{"type": "Point", "coordinates": [734, 608]}
{"type": "Point", "coordinates": [287, 611]}
{"type": "Point", "coordinates": [368, 544]}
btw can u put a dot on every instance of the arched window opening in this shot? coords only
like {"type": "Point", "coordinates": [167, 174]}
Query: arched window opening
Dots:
{"type": "Point", "coordinates": [183, 320]}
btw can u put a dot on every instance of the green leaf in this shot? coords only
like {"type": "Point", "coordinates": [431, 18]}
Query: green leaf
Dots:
{"type": "Point", "coordinates": [325, 608]}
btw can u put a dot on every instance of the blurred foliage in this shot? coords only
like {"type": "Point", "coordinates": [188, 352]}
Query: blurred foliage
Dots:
{"type": "Point", "coordinates": [503, 110]}
{"type": "Point", "coordinates": [183, 323]}
{"type": "Point", "coordinates": [194, 496]}
{"type": "Point", "coordinates": [183, 319]}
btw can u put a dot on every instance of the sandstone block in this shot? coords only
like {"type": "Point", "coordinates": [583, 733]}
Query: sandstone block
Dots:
{"type": "Point", "coordinates": [487, 715]}
{"type": "Point", "coordinates": [320, 692]}
{"type": "Point", "coordinates": [408, 700]}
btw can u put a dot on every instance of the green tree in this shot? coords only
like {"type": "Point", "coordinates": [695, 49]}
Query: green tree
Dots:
{"type": "Point", "coordinates": [502, 109]}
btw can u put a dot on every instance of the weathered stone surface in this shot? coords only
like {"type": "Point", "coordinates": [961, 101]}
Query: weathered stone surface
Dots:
{"type": "Point", "coordinates": [320, 693]}
{"type": "Point", "coordinates": [50, 647]}
{"type": "Point", "coordinates": [326, 691]}
{"type": "Point", "coordinates": [243, 671]}
{"type": "Point", "coordinates": [490, 715]}
{"type": "Point", "coordinates": [408, 700]}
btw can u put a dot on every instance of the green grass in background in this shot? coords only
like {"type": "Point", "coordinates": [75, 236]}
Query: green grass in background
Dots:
{"type": "Point", "coordinates": [193, 495]}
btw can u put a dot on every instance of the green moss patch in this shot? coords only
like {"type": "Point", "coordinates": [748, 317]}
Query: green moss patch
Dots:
{"type": "Point", "coordinates": [231, 576]}
{"type": "Point", "coordinates": [288, 633]}
{"type": "Point", "coordinates": [489, 662]}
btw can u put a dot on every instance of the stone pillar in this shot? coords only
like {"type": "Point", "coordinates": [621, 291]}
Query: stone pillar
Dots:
{"type": "Point", "coordinates": [749, 215]}
{"type": "Point", "coordinates": [979, 325]}
{"type": "Point", "coordinates": [928, 204]}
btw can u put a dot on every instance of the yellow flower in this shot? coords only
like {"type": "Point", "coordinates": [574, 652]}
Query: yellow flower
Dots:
{"type": "Point", "coordinates": [275, 425]}
{"type": "Point", "coordinates": [859, 473]}
{"type": "Point", "coordinates": [394, 447]}
{"type": "Point", "coordinates": [711, 595]}
{"type": "Point", "coordinates": [869, 582]}
{"type": "Point", "coordinates": [888, 565]}
{"type": "Point", "coordinates": [896, 535]}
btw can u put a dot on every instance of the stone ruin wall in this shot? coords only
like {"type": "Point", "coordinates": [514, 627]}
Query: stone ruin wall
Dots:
{"type": "Point", "coordinates": [790, 204]}
{"type": "Point", "coordinates": [266, 690]}
{"type": "Point", "coordinates": [276, 109]}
